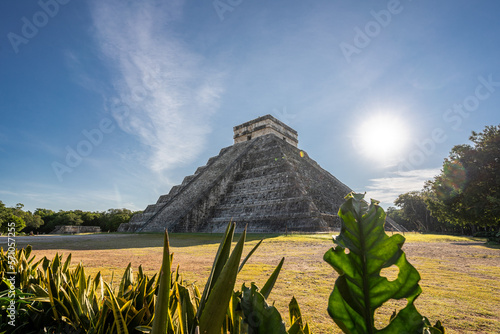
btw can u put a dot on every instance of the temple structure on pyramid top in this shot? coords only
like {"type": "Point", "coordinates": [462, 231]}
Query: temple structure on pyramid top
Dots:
{"type": "Point", "coordinates": [263, 181]}
{"type": "Point", "coordinates": [262, 126]}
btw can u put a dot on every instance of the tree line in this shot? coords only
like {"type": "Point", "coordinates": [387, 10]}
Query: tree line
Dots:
{"type": "Point", "coordinates": [465, 197]}
{"type": "Point", "coordinates": [45, 220]}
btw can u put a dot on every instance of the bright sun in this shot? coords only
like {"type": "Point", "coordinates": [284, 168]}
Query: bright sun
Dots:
{"type": "Point", "coordinates": [382, 137]}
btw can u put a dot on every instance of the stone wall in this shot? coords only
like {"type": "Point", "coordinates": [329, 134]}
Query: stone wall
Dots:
{"type": "Point", "coordinates": [72, 229]}
{"type": "Point", "coordinates": [263, 126]}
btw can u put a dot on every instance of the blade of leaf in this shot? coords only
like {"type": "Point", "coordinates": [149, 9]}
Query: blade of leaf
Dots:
{"type": "Point", "coordinates": [219, 262]}
{"type": "Point", "coordinates": [160, 320]}
{"type": "Point", "coordinates": [249, 254]}
{"type": "Point", "coordinates": [121, 326]}
{"type": "Point", "coordinates": [218, 301]}
{"type": "Point", "coordinates": [266, 289]}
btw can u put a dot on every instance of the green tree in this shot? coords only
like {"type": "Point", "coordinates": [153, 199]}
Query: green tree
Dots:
{"type": "Point", "coordinates": [48, 217]}
{"type": "Point", "coordinates": [90, 218]}
{"type": "Point", "coordinates": [415, 212]}
{"type": "Point", "coordinates": [3, 215]}
{"type": "Point", "coordinates": [114, 217]}
{"type": "Point", "coordinates": [18, 222]}
{"type": "Point", "coordinates": [33, 221]}
{"type": "Point", "coordinates": [467, 192]}
{"type": "Point", "coordinates": [68, 218]}
{"type": "Point", "coordinates": [11, 217]}
{"type": "Point", "coordinates": [397, 215]}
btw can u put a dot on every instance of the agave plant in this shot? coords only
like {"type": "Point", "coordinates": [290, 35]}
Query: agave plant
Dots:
{"type": "Point", "coordinates": [220, 308]}
{"type": "Point", "coordinates": [52, 297]}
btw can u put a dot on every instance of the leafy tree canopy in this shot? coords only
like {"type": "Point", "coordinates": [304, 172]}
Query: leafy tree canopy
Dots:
{"type": "Point", "coordinates": [468, 189]}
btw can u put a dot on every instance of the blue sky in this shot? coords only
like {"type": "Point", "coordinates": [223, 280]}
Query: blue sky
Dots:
{"type": "Point", "coordinates": [108, 104]}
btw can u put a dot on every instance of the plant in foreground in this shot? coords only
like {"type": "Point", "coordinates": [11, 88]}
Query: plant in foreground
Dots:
{"type": "Point", "coordinates": [362, 250]}
{"type": "Point", "coordinates": [220, 308]}
{"type": "Point", "coordinates": [52, 298]}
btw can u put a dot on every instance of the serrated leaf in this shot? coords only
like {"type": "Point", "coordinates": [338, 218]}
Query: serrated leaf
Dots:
{"type": "Point", "coordinates": [360, 289]}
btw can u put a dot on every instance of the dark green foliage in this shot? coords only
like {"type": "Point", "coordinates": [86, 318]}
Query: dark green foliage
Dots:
{"type": "Point", "coordinates": [45, 221]}
{"type": "Point", "coordinates": [362, 250]}
{"type": "Point", "coordinates": [52, 297]}
{"type": "Point", "coordinates": [468, 189]}
{"type": "Point", "coordinates": [415, 212]}
{"type": "Point", "coordinates": [11, 219]}
{"type": "Point", "coordinates": [260, 317]}
{"type": "Point", "coordinates": [492, 236]}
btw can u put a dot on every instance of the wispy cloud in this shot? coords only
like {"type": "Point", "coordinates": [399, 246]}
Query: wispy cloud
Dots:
{"type": "Point", "coordinates": [387, 189]}
{"type": "Point", "coordinates": [165, 92]}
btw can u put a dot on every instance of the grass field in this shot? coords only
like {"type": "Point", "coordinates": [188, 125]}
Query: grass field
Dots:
{"type": "Point", "coordinates": [460, 275]}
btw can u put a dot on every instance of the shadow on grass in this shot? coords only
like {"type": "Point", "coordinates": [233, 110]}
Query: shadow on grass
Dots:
{"type": "Point", "coordinates": [102, 241]}
{"type": "Point", "coordinates": [486, 244]}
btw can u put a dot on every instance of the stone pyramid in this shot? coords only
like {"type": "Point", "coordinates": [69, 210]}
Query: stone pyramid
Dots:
{"type": "Point", "coordinates": [263, 180]}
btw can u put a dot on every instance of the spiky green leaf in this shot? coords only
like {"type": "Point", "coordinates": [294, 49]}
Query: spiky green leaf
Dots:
{"type": "Point", "coordinates": [161, 317]}
{"type": "Point", "coordinates": [363, 250]}
{"type": "Point", "coordinates": [215, 309]}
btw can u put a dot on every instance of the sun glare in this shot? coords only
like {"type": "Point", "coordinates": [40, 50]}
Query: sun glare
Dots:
{"type": "Point", "coordinates": [382, 137]}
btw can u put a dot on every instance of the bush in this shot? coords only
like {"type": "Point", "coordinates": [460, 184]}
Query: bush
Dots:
{"type": "Point", "coordinates": [492, 236]}
{"type": "Point", "coordinates": [50, 297]}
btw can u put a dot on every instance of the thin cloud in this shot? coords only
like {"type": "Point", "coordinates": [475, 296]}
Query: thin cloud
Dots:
{"type": "Point", "coordinates": [387, 189]}
{"type": "Point", "coordinates": [166, 94]}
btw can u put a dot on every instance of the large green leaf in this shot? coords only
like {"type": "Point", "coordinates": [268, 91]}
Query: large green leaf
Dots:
{"type": "Point", "coordinates": [260, 317]}
{"type": "Point", "coordinates": [219, 263]}
{"type": "Point", "coordinates": [363, 250]}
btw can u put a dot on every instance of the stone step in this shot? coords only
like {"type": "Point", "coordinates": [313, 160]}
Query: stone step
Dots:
{"type": "Point", "coordinates": [194, 187]}
{"type": "Point", "coordinates": [262, 182]}
{"type": "Point", "coordinates": [263, 171]}
{"type": "Point", "coordinates": [274, 206]}
{"type": "Point", "coordinates": [187, 179]}
{"type": "Point", "coordinates": [285, 191]}
{"type": "Point", "coordinates": [200, 169]}
{"type": "Point", "coordinates": [259, 218]}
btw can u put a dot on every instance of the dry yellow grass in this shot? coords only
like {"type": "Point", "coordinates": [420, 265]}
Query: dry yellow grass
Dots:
{"type": "Point", "coordinates": [460, 275]}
